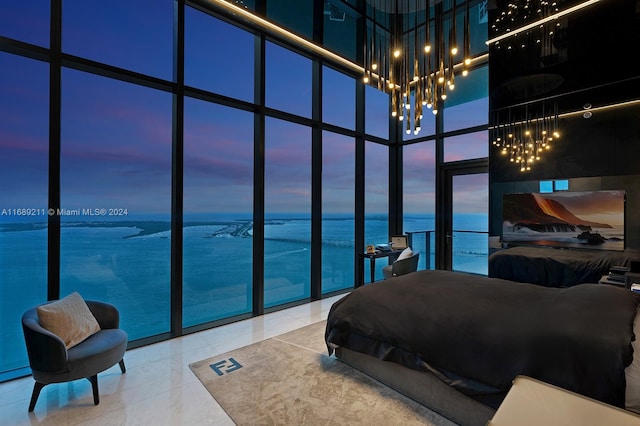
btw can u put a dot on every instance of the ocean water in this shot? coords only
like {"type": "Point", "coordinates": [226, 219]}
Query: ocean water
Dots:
{"type": "Point", "coordinates": [128, 264]}
{"type": "Point", "coordinates": [613, 237]}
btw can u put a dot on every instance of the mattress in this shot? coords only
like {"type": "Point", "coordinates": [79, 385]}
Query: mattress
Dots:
{"type": "Point", "coordinates": [553, 267]}
{"type": "Point", "coordinates": [477, 333]}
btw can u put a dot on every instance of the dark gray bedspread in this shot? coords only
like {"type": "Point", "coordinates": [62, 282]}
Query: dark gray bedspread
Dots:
{"type": "Point", "coordinates": [478, 333]}
{"type": "Point", "coordinates": [556, 267]}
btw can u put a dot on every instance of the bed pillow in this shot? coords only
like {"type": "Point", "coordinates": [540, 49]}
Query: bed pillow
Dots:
{"type": "Point", "coordinates": [406, 253]}
{"type": "Point", "coordinates": [68, 318]}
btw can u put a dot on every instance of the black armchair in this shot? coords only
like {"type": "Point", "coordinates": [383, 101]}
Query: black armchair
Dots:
{"type": "Point", "coordinates": [401, 266]}
{"type": "Point", "coordinates": [52, 362]}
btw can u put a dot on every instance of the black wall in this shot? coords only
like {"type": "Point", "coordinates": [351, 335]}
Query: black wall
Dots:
{"type": "Point", "coordinates": [589, 60]}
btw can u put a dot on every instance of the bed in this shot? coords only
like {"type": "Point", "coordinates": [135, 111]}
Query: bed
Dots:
{"type": "Point", "coordinates": [456, 341]}
{"type": "Point", "coordinates": [554, 267]}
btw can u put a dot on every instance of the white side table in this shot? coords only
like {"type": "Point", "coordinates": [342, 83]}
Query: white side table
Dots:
{"type": "Point", "coordinates": [531, 402]}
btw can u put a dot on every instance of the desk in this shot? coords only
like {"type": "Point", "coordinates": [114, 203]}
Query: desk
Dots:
{"type": "Point", "coordinates": [391, 254]}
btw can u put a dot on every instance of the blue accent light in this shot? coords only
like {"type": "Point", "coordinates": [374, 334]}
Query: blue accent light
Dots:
{"type": "Point", "coordinates": [546, 186]}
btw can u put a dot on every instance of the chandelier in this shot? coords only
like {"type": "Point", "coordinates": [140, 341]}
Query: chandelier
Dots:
{"type": "Point", "coordinates": [412, 55]}
{"type": "Point", "coordinates": [525, 137]}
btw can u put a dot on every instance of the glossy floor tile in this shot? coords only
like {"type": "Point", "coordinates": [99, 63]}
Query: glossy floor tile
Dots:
{"type": "Point", "coordinates": [158, 387]}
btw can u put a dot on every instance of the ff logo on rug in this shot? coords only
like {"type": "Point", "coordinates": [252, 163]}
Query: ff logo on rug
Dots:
{"type": "Point", "coordinates": [218, 366]}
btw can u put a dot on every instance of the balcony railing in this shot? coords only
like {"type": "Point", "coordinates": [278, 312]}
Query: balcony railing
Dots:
{"type": "Point", "coordinates": [470, 250]}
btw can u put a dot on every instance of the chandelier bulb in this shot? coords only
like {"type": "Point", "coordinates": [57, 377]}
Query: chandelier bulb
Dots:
{"type": "Point", "coordinates": [396, 53]}
{"type": "Point", "coordinates": [454, 50]}
{"type": "Point", "coordinates": [374, 66]}
{"type": "Point", "coordinates": [365, 79]}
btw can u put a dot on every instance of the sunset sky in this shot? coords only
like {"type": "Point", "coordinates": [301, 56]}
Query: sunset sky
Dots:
{"type": "Point", "coordinates": [116, 137]}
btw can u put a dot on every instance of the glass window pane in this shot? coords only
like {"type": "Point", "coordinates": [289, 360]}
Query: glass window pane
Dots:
{"type": "Point", "coordinates": [376, 201]}
{"type": "Point", "coordinates": [340, 30]}
{"type": "Point", "coordinates": [26, 21]}
{"type": "Point", "coordinates": [338, 193]}
{"type": "Point", "coordinates": [218, 248]}
{"type": "Point", "coordinates": [468, 105]}
{"type": "Point", "coordinates": [470, 242]}
{"type": "Point", "coordinates": [116, 198]}
{"type": "Point", "coordinates": [226, 69]}
{"type": "Point", "coordinates": [478, 27]}
{"type": "Point", "coordinates": [288, 81]}
{"type": "Point", "coordinates": [376, 112]}
{"type": "Point", "coordinates": [24, 164]}
{"type": "Point", "coordinates": [419, 200]}
{"type": "Point", "coordinates": [135, 35]}
{"type": "Point", "coordinates": [338, 98]}
{"type": "Point", "coordinates": [467, 146]}
{"type": "Point", "coordinates": [296, 16]}
{"type": "Point", "coordinates": [287, 231]}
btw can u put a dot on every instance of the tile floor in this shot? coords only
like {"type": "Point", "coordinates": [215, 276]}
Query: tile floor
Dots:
{"type": "Point", "coordinates": [158, 387]}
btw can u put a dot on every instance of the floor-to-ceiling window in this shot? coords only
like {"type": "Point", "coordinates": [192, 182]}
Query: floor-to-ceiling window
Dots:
{"type": "Point", "coordinates": [115, 195]}
{"type": "Point", "coordinates": [287, 178]}
{"type": "Point", "coordinates": [418, 182]}
{"type": "Point", "coordinates": [218, 172]}
{"type": "Point", "coordinates": [137, 132]}
{"type": "Point", "coordinates": [338, 221]}
{"type": "Point", "coordinates": [376, 175]}
{"type": "Point", "coordinates": [470, 223]}
{"type": "Point", "coordinates": [24, 164]}
{"type": "Point", "coordinates": [218, 204]}
{"type": "Point", "coordinates": [465, 145]}
{"type": "Point", "coordinates": [287, 229]}
{"type": "Point", "coordinates": [338, 181]}
{"type": "Point", "coordinates": [376, 200]}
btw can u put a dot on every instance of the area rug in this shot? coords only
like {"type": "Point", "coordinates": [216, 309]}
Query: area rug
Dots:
{"type": "Point", "coordinates": [291, 380]}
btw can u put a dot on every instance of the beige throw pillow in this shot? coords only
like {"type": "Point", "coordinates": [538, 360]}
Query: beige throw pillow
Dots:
{"type": "Point", "coordinates": [68, 318]}
{"type": "Point", "coordinates": [406, 253]}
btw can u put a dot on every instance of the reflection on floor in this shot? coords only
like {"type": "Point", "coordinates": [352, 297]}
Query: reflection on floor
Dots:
{"type": "Point", "coordinates": [158, 387]}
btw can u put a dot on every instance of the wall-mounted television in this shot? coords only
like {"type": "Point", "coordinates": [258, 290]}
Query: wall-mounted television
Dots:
{"type": "Point", "coordinates": [567, 219]}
